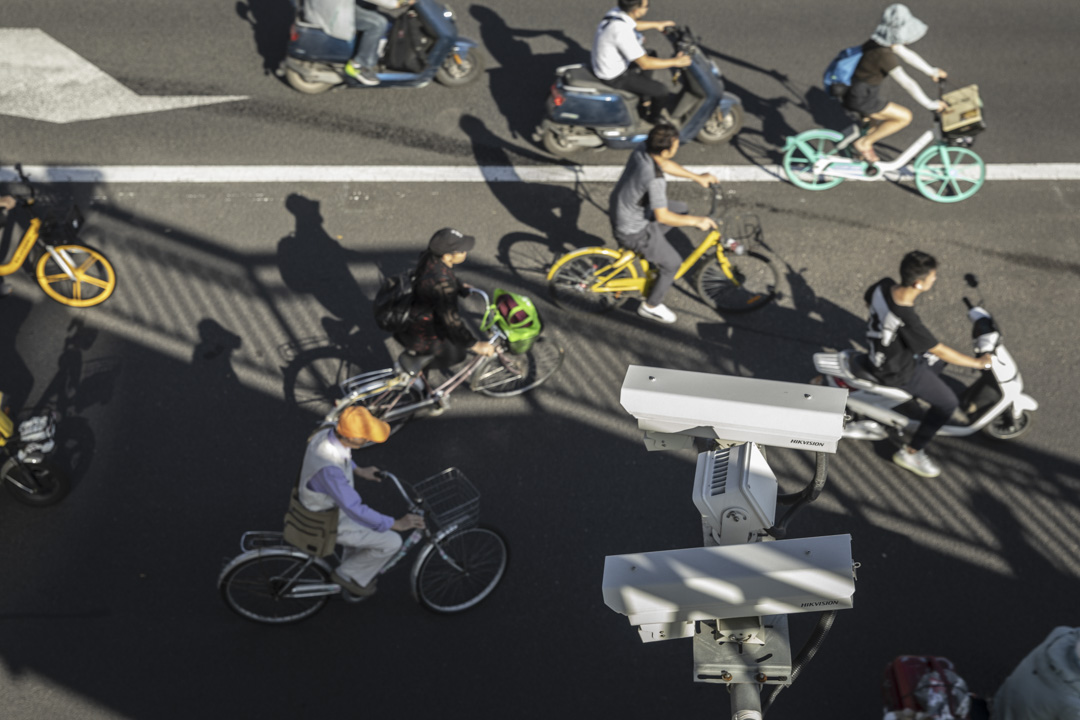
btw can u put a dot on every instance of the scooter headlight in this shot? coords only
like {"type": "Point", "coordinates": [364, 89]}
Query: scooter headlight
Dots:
{"type": "Point", "coordinates": [447, 12]}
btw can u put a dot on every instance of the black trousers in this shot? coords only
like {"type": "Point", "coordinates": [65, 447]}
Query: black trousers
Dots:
{"type": "Point", "coordinates": [926, 384]}
{"type": "Point", "coordinates": [637, 81]}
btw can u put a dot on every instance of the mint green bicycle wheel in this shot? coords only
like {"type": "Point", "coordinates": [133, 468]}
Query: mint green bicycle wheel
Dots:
{"type": "Point", "coordinates": [949, 174]}
{"type": "Point", "coordinates": [803, 151]}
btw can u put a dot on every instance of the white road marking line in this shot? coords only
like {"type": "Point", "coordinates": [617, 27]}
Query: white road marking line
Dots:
{"type": "Point", "coordinates": [42, 79]}
{"type": "Point", "coordinates": [440, 173]}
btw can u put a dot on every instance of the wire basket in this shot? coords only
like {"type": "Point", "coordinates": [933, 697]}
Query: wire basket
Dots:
{"type": "Point", "coordinates": [448, 499]}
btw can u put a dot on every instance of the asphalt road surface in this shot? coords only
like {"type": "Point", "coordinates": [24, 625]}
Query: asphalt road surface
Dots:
{"type": "Point", "coordinates": [174, 392]}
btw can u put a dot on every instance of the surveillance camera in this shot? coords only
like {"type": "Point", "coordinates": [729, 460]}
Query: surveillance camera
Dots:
{"type": "Point", "coordinates": [666, 592]}
{"type": "Point", "coordinates": [672, 403]}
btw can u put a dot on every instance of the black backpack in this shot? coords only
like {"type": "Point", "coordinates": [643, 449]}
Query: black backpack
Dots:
{"type": "Point", "coordinates": [408, 45]}
{"type": "Point", "coordinates": [394, 301]}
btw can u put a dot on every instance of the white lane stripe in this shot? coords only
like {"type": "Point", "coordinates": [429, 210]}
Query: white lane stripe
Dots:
{"type": "Point", "coordinates": [439, 173]}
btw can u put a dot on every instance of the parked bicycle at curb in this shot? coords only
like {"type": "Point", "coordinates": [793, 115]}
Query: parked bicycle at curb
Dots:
{"type": "Point", "coordinates": [69, 273]}
{"type": "Point", "coordinates": [523, 359]}
{"type": "Point", "coordinates": [734, 279]}
{"type": "Point", "coordinates": [946, 170]}
{"type": "Point", "coordinates": [460, 562]}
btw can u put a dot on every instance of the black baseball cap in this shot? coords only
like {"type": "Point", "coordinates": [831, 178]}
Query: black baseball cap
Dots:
{"type": "Point", "coordinates": [449, 240]}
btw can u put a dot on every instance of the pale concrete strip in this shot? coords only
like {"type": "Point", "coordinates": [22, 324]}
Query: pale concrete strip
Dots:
{"type": "Point", "coordinates": [1034, 171]}
{"type": "Point", "coordinates": [440, 173]}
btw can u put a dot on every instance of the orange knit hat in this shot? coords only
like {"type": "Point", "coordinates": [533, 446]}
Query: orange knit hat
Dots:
{"type": "Point", "coordinates": [359, 424]}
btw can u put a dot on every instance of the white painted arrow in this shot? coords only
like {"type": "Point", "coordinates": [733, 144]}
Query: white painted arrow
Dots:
{"type": "Point", "coordinates": [42, 79]}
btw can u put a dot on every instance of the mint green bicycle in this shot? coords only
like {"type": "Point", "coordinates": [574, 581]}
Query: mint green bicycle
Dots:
{"type": "Point", "coordinates": [945, 168]}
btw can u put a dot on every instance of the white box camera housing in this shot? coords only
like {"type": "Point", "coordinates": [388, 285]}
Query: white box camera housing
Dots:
{"type": "Point", "coordinates": [736, 409]}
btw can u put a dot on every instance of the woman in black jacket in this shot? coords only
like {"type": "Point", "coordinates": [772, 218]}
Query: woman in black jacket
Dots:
{"type": "Point", "coordinates": [435, 325]}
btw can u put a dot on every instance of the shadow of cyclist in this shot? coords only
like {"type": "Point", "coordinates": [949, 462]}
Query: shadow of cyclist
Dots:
{"type": "Point", "coordinates": [270, 21]}
{"type": "Point", "coordinates": [17, 380]}
{"type": "Point", "coordinates": [313, 263]}
{"type": "Point", "coordinates": [555, 215]}
{"type": "Point", "coordinates": [521, 74]}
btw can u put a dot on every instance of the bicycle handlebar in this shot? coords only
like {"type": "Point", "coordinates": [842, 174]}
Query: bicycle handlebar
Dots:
{"type": "Point", "coordinates": [478, 291]}
{"type": "Point", "coordinates": [387, 475]}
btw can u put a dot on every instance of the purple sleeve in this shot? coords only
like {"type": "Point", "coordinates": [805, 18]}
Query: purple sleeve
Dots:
{"type": "Point", "coordinates": [331, 481]}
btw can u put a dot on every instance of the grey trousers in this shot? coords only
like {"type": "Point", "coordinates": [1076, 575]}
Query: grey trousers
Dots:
{"type": "Point", "coordinates": [655, 248]}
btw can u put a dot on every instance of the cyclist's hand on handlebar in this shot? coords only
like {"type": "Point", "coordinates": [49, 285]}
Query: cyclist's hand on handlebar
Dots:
{"type": "Point", "coordinates": [7, 202]}
{"type": "Point", "coordinates": [368, 473]}
{"type": "Point", "coordinates": [483, 348]}
{"type": "Point", "coordinates": [939, 75]}
{"type": "Point", "coordinates": [681, 60]}
{"type": "Point", "coordinates": [984, 361]}
{"type": "Point", "coordinates": [706, 224]}
{"type": "Point", "coordinates": [407, 522]}
{"type": "Point", "coordinates": [942, 106]}
{"type": "Point", "coordinates": [706, 180]}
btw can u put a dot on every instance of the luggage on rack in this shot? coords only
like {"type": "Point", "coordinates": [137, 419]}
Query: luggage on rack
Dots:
{"type": "Point", "coordinates": [964, 117]}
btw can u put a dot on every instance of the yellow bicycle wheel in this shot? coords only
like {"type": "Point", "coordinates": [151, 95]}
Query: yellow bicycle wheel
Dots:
{"type": "Point", "coordinates": [587, 280]}
{"type": "Point", "coordinates": [94, 277]}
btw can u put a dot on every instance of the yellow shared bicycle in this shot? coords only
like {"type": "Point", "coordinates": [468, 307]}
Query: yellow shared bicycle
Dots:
{"type": "Point", "coordinates": [69, 273]}
{"type": "Point", "coordinates": [734, 277]}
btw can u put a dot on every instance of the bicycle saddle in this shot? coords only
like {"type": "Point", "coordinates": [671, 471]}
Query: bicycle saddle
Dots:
{"type": "Point", "coordinates": [413, 364]}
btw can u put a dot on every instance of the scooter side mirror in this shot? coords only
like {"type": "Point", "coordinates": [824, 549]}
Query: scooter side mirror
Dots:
{"type": "Point", "coordinates": [971, 280]}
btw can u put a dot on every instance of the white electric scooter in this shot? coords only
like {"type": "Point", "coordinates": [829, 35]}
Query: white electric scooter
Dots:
{"type": "Point", "coordinates": [996, 403]}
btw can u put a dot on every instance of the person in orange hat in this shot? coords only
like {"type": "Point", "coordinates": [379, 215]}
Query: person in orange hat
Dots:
{"type": "Point", "coordinates": [327, 481]}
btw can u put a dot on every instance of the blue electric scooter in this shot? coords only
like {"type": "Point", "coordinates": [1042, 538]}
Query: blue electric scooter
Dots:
{"type": "Point", "coordinates": [585, 112]}
{"type": "Point", "coordinates": [315, 61]}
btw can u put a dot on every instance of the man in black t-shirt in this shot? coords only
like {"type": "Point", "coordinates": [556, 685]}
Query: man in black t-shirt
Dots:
{"type": "Point", "coordinates": [905, 354]}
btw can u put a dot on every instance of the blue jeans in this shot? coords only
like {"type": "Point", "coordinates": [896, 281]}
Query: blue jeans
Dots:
{"type": "Point", "coordinates": [371, 26]}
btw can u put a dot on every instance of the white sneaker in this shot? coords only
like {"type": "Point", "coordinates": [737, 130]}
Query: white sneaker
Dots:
{"type": "Point", "coordinates": [917, 462]}
{"type": "Point", "coordinates": [659, 313]}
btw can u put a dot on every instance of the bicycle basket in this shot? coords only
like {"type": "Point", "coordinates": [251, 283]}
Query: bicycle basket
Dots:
{"type": "Point", "coordinates": [59, 214]}
{"type": "Point", "coordinates": [449, 499]}
{"type": "Point", "coordinates": [964, 116]}
{"type": "Point", "coordinates": [517, 318]}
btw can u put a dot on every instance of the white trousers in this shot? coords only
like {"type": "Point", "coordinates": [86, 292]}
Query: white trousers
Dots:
{"type": "Point", "coordinates": [366, 550]}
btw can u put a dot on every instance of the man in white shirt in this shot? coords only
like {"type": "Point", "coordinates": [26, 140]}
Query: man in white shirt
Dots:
{"type": "Point", "coordinates": [620, 60]}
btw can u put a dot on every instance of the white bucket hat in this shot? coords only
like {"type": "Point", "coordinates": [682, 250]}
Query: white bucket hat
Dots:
{"type": "Point", "coordinates": [898, 27]}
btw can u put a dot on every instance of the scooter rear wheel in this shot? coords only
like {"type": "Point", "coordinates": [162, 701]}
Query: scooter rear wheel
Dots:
{"type": "Point", "coordinates": [557, 144]}
{"type": "Point", "coordinates": [297, 82]}
{"type": "Point", "coordinates": [41, 484]}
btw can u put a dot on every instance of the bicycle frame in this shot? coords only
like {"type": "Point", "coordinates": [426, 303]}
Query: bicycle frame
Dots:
{"type": "Point", "coordinates": [609, 282]}
{"type": "Point", "coordinates": [396, 380]}
{"type": "Point", "coordinates": [95, 271]}
{"type": "Point", "coordinates": [272, 543]}
{"type": "Point", "coordinates": [849, 169]}
{"type": "Point", "coordinates": [22, 250]}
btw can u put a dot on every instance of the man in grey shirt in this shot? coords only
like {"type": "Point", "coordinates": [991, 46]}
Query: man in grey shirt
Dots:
{"type": "Point", "coordinates": [641, 212]}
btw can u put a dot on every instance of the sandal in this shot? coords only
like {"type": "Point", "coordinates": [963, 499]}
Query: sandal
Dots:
{"type": "Point", "coordinates": [868, 156]}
